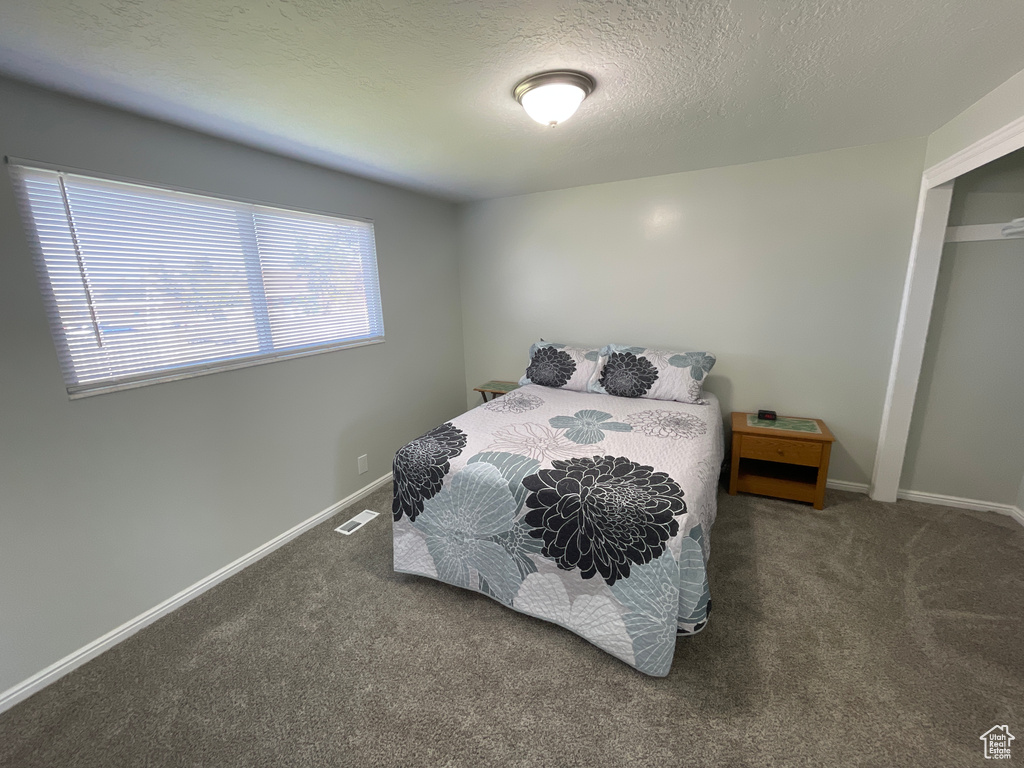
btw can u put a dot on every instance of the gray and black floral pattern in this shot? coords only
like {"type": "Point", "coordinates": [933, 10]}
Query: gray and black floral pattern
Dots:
{"type": "Point", "coordinates": [626, 375]}
{"type": "Point", "coordinates": [667, 424]}
{"type": "Point", "coordinates": [520, 545]}
{"type": "Point", "coordinates": [699, 363]}
{"type": "Point", "coordinates": [588, 426]}
{"type": "Point", "coordinates": [551, 367]}
{"type": "Point", "coordinates": [460, 525]}
{"type": "Point", "coordinates": [602, 514]}
{"type": "Point", "coordinates": [420, 467]}
{"type": "Point", "coordinates": [514, 402]}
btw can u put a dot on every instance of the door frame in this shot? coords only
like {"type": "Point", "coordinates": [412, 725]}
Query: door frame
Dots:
{"type": "Point", "coordinates": [919, 295]}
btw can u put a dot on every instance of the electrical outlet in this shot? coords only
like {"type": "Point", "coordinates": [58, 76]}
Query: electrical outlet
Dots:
{"type": "Point", "coordinates": [363, 464]}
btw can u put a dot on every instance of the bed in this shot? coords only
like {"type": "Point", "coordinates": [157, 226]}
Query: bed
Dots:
{"type": "Point", "coordinates": [587, 510]}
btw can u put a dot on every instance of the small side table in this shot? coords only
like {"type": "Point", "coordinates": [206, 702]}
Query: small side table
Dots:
{"type": "Point", "coordinates": [495, 389]}
{"type": "Point", "coordinates": [787, 463]}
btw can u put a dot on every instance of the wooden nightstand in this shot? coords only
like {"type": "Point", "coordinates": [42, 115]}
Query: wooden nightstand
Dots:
{"type": "Point", "coordinates": [785, 463]}
{"type": "Point", "coordinates": [496, 388]}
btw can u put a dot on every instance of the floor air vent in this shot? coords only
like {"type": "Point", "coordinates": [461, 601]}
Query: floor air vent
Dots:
{"type": "Point", "coordinates": [357, 522]}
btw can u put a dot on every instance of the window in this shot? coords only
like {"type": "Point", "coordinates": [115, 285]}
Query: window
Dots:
{"type": "Point", "coordinates": [145, 284]}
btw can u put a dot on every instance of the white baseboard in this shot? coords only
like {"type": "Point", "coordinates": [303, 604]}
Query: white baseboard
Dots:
{"type": "Point", "coordinates": [939, 499]}
{"type": "Point", "coordinates": [845, 485]}
{"type": "Point", "coordinates": [58, 669]}
{"type": "Point", "coordinates": [956, 501]}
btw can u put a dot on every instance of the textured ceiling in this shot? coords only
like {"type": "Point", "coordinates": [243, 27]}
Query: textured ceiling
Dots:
{"type": "Point", "coordinates": [419, 92]}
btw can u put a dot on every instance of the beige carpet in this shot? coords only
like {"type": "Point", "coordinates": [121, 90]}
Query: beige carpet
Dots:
{"type": "Point", "coordinates": [865, 634]}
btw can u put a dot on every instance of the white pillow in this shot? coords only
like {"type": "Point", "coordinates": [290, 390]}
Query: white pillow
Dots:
{"type": "Point", "coordinates": [563, 367]}
{"type": "Point", "coordinates": [657, 374]}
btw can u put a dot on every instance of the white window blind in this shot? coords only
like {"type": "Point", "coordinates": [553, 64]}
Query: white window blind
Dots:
{"type": "Point", "coordinates": [145, 284]}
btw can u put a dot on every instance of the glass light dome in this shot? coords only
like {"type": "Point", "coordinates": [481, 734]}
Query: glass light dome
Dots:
{"type": "Point", "coordinates": [553, 97]}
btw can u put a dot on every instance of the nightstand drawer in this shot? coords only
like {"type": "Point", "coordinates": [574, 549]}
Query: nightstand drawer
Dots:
{"type": "Point", "coordinates": [774, 449]}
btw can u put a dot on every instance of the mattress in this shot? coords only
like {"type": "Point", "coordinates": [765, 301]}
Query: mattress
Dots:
{"type": "Point", "coordinates": [587, 510]}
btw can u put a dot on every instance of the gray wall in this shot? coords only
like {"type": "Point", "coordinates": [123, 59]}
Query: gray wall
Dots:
{"type": "Point", "coordinates": [790, 270]}
{"type": "Point", "coordinates": [111, 504]}
{"type": "Point", "coordinates": [967, 431]}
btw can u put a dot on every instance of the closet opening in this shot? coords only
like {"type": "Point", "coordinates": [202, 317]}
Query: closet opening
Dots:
{"type": "Point", "coordinates": [966, 436]}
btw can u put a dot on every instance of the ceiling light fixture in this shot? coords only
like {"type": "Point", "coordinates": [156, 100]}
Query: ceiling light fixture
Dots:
{"type": "Point", "coordinates": [551, 98]}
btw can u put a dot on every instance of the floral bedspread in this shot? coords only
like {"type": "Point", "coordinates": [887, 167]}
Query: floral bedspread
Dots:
{"type": "Point", "coordinates": [587, 510]}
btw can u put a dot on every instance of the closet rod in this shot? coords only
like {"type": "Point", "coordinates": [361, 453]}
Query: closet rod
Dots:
{"type": "Point", "coordinates": [968, 233]}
